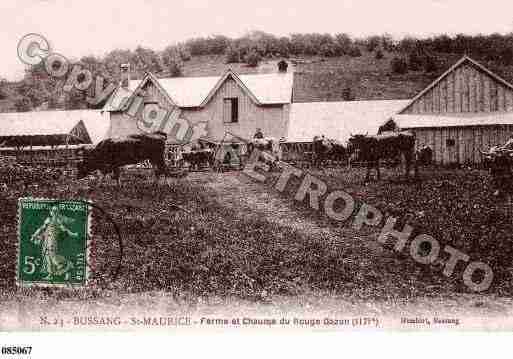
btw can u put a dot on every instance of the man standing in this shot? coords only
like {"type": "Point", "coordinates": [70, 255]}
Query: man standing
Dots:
{"type": "Point", "coordinates": [258, 134]}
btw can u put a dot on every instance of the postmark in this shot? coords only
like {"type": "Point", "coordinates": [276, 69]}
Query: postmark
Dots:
{"type": "Point", "coordinates": [53, 237]}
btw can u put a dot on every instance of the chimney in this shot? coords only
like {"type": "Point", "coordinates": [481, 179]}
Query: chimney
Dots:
{"type": "Point", "coordinates": [125, 75]}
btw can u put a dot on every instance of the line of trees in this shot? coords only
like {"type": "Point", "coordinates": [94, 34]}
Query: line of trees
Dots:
{"type": "Point", "coordinates": [407, 54]}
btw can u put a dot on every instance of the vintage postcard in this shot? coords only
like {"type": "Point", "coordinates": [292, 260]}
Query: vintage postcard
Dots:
{"type": "Point", "coordinates": [276, 166]}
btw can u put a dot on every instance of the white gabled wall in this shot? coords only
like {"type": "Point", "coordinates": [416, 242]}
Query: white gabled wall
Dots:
{"type": "Point", "coordinates": [272, 120]}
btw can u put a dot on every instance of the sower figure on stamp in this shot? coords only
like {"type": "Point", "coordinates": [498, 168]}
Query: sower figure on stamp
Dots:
{"type": "Point", "coordinates": [47, 236]}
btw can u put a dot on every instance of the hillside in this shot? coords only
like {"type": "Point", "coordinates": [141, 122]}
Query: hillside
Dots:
{"type": "Point", "coordinates": [325, 79]}
{"type": "Point", "coordinates": [318, 78]}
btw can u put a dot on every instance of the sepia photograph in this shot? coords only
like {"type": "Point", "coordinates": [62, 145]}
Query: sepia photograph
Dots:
{"type": "Point", "coordinates": [293, 167]}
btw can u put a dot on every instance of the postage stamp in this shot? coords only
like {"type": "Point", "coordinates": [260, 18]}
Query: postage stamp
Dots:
{"type": "Point", "coordinates": [53, 237]}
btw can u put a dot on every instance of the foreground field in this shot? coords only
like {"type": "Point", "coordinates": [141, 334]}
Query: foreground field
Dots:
{"type": "Point", "coordinates": [240, 240]}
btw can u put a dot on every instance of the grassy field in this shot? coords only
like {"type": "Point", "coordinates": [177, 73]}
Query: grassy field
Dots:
{"type": "Point", "coordinates": [324, 79]}
{"type": "Point", "coordinates": [457, 207]}
{"type": "Point", "coordinates": [243, 240]}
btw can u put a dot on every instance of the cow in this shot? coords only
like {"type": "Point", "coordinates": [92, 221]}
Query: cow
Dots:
{"type": "Point", "coordinates": [199, 158]}
{"type": "Point", "coordinates": [387, 145]}
{"type": "Point", "coordinates": [499, 162]}
{"type": "Point", "coordinates": [327, 150]}
{"type": "Point", "coordinates": [111, 154]}
{"type": "Point", "coordinates": [425, 155]}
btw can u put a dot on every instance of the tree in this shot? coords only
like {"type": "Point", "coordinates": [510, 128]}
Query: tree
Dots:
{"type": "Point", "coordinates": [442, 43]}
{"type": "Point", "coordinates": [146, 60]}
{"type": "Point", "coordinates": [388, 43]}
{"type": "Point", "coordinates": [506, 55]}
{"type": "Point", "coordinates": [372, 42]}
{"type": "Point", "coordinates": [414, 61]}
{"type": "Point", "coordinates": [75, 100]}
{"type": "Point", "coordinates": [430, 64]}
{"type": "Point", "coordinates": [174, 68]}
{"type": "Point", "coordinates": [253, 58]}
{"type": "Point", "coordinates": [355, 51]}
{"type": "Point", "coordinates": [283, 46]}
{"type": "Point", "coordinates": [172, 61]}
{"type": "Point", "coordinates": [184, 51]}
{"type": "Point", "coordinates": [399, 65]}
{"type": "Point", "coordinates": [232, 55]}
{"type": "Point", "coordinates": [328, 50]}
{"type": "Point", "coordinates": [112, 62]}
{"type": "Point", "coordinates": [3, 88]}
{"type": "Point", "coordinates": [343, 43]}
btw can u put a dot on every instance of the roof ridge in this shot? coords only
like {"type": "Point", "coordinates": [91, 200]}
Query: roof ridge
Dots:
{"type": "Point", "coordinates": [52, 110]}
{"type": "Point", "coordinates": [221, 75]}
{"type": "Point", "coordinates": [458, 63]}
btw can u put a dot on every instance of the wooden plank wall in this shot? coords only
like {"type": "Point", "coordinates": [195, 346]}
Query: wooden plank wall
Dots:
{"type": "Point", "coordinates": [468, 142]}
{"type": "Point", "coordinates": [271, 119]}
{"type": "Point", "coordinates": [465, 90]}
{"type": "Point", "coordinates": [152, 93]}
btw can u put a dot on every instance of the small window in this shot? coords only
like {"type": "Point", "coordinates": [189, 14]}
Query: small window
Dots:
{"type": "Point", "coordinates": [450, 142]}
{"type": "Point", "coordinates": [231, 110]}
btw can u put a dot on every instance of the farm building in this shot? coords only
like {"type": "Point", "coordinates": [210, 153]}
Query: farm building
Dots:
{"type": "Point", "coordinates": [233, 106]}
{"type": "Point", "coordinates": [233, 103]}
{"type": "Point", "coordinates": [338, 120]}
{"type": "Point", "coordinates": [467, 109]}
{"type": "Point", "coordinates": [49, 135]}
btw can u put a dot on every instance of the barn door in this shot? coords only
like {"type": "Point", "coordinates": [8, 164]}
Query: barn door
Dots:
{"type": "Point", "coordinates": [452, 144]}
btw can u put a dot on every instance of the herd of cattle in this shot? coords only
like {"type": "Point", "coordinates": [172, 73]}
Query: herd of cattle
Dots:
{"type": "Point", "coordinates": [110, 155]}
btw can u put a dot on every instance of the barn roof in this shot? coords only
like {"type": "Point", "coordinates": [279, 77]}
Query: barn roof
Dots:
{"type": "Point", "coordinates": [338, 120]}
{"type": "Point", "coordinates": [453, 120]}
{"type": "Point", "coordinates": [463, 60]}
{"type": "Point", "coordinates": [119, 97]}
{"type": "Point", "coordinates": [264, 89]}
{"type": "Point", "coordinates": [53, 127]}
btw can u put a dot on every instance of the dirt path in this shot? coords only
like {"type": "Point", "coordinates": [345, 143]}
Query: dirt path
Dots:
{"type": "Point", "coordinates": [253, 199]}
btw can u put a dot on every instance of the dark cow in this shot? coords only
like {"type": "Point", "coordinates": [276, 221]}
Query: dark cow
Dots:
{"type": "Point", "coordinates": [499, 161]}
{"type": "Point", "coordinates": [425, 156]}
{"type": "Point", "coordinates": [324, 150]}
{"type": "Point", "coordinates": [111, 154]}
{"type": "Point", "coordinates": [199, 158]}
{"type": "Point", "coordinates": [388, 145]}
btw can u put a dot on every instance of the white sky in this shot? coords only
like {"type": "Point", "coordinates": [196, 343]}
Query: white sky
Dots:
{"type": "Point", "coordinates": [77, 28]}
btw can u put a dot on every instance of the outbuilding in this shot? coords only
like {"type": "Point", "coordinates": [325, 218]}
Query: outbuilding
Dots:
{"type": "Point", "coordinates": [466, 110]}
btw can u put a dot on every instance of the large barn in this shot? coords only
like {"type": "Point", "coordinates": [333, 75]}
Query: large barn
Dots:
{"type": "Point", "coordinates": [233, 103]}
{"type": "Point", "coordinates": [466, 110]}
{"type": "Point", "coordinates": [240, 104]}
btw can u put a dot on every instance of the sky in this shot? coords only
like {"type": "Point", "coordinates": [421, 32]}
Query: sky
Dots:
{"type": "Point", "coordinates": [94, 27]}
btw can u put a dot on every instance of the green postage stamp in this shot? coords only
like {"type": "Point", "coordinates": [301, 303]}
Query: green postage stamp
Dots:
{"type": "Point", "coordinates": [53, 237]}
